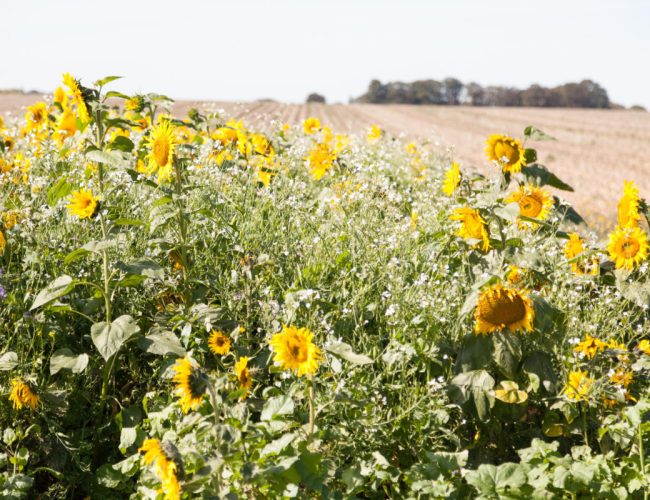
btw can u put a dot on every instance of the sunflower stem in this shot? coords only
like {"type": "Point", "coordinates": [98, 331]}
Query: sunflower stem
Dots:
{"type": "Point", "coordinates": [310, 399]}
{"type": "Point", "coordinates": [181, 216]}
{"type": "Point", "coordinates": [584, 424]}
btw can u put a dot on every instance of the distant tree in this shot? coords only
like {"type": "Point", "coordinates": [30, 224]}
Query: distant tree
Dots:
{"type": "Point", "coordinates": [474, 94]}
{"type": "Point", "coordinates": [453, 89]}
{"type": "Point", "coordinates": [637, 107]}
{"type": "Point", "coordinates": [316, 98]}
{"type": "Point", "coordinates": [535, 96]}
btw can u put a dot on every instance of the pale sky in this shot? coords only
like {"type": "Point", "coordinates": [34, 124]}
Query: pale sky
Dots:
{"type": "Point", "coordinates": [285, 49]}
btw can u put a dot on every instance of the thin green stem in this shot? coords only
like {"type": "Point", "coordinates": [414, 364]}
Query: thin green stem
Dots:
{"type": "Point", "coordinates": [312, 413]}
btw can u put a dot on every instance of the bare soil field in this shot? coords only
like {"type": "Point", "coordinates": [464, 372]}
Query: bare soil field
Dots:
{"type": "Point", "coordinates": [595, 151]}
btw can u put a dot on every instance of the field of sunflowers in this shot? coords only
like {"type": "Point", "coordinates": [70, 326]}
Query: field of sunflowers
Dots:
{"type": "Point", "coordinates": [193, 309]}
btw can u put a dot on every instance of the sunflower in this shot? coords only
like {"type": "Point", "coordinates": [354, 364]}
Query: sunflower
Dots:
{"type": "Point", "coordinates": [534, 202]}
{"type": "Point", "coordinates": [514, 275]}
{"type": "Point", "coordinates": [36, 117]}
{"type": "Point", "coordinates": [77, 96]}
{"type": "Point", "coordinates": [82, 203]}
{"type": "Point", "coordinates": [60, 97]}
{"type": "Point", "coordinates": [66, 126]}
{"type": "Point", "coordinates": [578, 386]}
{"type": "Point", "coordinates": [22, 395]}
{"type": "Point", "coordinates": [590, 346]}
{"type": "Point", "coordinates": [452, 179]}
{"type": "Point", "coordinates": [164, 458]}
{"type": "Point", "coordinates": [135, 103]}
{"type": "Point", "coordinates": [507, 152]}
{"type": "Point", "coordinates": [191, 384]}
{"type": "Point", "coordinates": [321, 159]}
{"type": "Point", "coordinates": [243, 374]}
{"type": "Point", "coordinates": [162, 144]}
{"type": "Point", "coordinates": [644, 346]}
{"type": "Point", "coordinates": [311, 125]}
{"type": "Point", "coordinates": [219, 343]}
{"type": "Point", "coordinates": [473, 226]}
{"type": "Point", "coordinates": [294, 350]}
{"type": "Point", "coordinates": [3, 243]}
{"type": "Point", "coordinates": [502, 307]}
{"type": "Point", "coordinates": [628, 206]}
{"type": "Point", "coordinates": [628, 247]}
{"type": "Point", "coordinates": [374, 134]}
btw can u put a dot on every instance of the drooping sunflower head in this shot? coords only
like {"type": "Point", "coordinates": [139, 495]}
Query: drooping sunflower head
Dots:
{"type": "Point", "coordinates": [78, 96]}
{"type": "Point", "coordinates": [294, 350]}
{"type": "Point", "coordinates": [628, 247]}
{"type": "Point", "coordinates": [534, 202]}
{"type": "Point", "coordinates": [507, 152]}
{"type": "Point", "coordinates": [628, 206]}
{"type": "Point", "coordinates": [162, 144]}
{"type": "Point", "coordinates": [578, 386]}
{"type": "Point", "coordinates": [191, 384]}
{"type": "Point", "coordinates": [473, 226]}
{"type": "Point", "coordinates": [22, 395]}
{"type": "Point", "coordinates": [135, 103]}
{"type": "Point", "coordinates": [82, 203]}
{"type": "Point", "coordinates": [36, 117]}
{"type": "Point", "coordinates": [311, 125]}
{"type": "Point", "coordinates": [243, 374]}
{"type": "Point", "coordinates": [452, 179]}
{"type": "Point", "coordinates": [219, 343]}
{"type": "Point", "coordinates": [167, 463]}
{"type": "Point", "coordinates": [500, 308]}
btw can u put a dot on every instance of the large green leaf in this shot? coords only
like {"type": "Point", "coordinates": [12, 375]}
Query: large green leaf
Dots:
{"type": "Point", "coordinates": [110, 337]}
{"type": "Point", "coordinates": [58, 288]}
{"type": "Point", "coordinates": [503, 481]}
{"type": "Point", "coordinates": [543, 176]}
{"type": "Point", "coordinates": [65, 359]}
{"type": "Point", "coordinates": [535, 134]}
{"type": "Point", "coordinates": [8, 361]}
{"type": "Point", "coordinates": [161, 342]}
{"type": "Point", "coordinates": [473, 386]}
{"type": "Point", "coordinates": [277, 406]}
{"type": "Point", "coordinates": [344, 351]}
{"type": "Point", "coordinates": [507, 352]}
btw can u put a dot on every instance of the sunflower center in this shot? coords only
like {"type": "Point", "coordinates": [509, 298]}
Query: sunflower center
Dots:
{"type": "Point", "coordinates": [502, 309]}
{"type": "Point", "coordinates": [298, 352]}
{"type": "Point", "coordinates": [505, 153]}
{"type": "Point", "coordinates": [197, 383]}
{"type": "Point", "coordinates": [629, 247]}
{"type": "Point", "coordinates": [84, 203]}
{"type": "Point", "coordinates": [161, 151]}
{"type": "Point", "coordinates": [530, 206]}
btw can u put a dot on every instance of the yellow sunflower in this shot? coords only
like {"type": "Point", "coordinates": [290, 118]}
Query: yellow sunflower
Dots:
{"type": "Point", "coordinates": [22, 395]}
{"type": "Point", "coordinates": [473, 226]}
{"type": "Point", "coordinates": [320, 159]}
{"type": "Point", "coordinates": [374, 134]}
{"type": "Point", "coordinates": [77, 96]}
{"type": "Point", "coordinates": [294, 350]}
{"type": "Point", "coordinates": [66, 126]}
{"type": "Point", "coordinates": [644, 346]}
{"type": "Point", "coordinates": [452, 179]}
{"type": "Point", "coordinates": [507, 152]}
{"type": "Point", "coordinates": [502, 307]}
{"type": "Point", "coordinates": [628, 206]}
{"type": "Point", "coordinates": [60, 97]}
{"type": "Point", "coordinates": [514, 275]}
{"type": "Point", "coordinates": [3, 242]}
{"type": "Point", "coordinates": [82, 203]}
{"type": "Point", "coordinates": [590, 346]}
{"type": "Point", "coordinates": [36, 117]}
{"type": "Point", "coordinates": [191, 384]}
{"type": "Point", "coordinates": [161, 456]}
{"type": "Point", "coordinates": [162, 144]}
{"type": "Point", "coordinates": [534, 202]}
{"type": "Point", "coordinates": [219, 343]}
{"type": "Point", "coordinates": [628, 247]}
{"type": "Point", "coordinates": [243, 374]}
{"type": "Point", "coordinates": [578, 386]}
{"type": "Point", "coordinates": [311, 125]}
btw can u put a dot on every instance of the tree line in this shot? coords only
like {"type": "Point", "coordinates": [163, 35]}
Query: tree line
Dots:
{"type": "Point", "coordinates": [451, 91]}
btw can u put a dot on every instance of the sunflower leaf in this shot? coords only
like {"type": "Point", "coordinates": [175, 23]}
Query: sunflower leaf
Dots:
{"type": "Point", "coordinates": [344, 351]}
{"type": "Point", "coordinates": [535, 134]}
{"type": "Point", "coordinates": [65, 359]}
{"type": "Point", "coordinates": [110, 337]}
{"type": "Point", "coordinates": [58, 288]}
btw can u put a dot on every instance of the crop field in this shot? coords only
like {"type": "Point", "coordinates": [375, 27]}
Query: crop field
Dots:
{"type": "Point", "coordinates": [212, 300]}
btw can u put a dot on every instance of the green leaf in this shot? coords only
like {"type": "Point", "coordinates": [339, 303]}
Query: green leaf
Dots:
{"type": "Point", "coordinates": [65, 359]}
{"type": "Point", "coordinates": [121, 143]}
{"type": "Point", "coordinates": [107, 79]}
{"type": "Point", "coordinates": [161, 342]}
{"type": "Point", "coordinates": [58, 288]}
{"type": "Point", "coordinates": [475, 352]}
{"type": "Point", "coordinates": [503, 481]}
{"type": "Point", "coordinates": [75, 255]}
{"type": "Point", "coordinates": [99, 246]}
{"type": "Point", "coordinates": [530, 155]}
{"type": "Point", "coordinates": [275, 447]}
{"type": "Point", "coordinates": [535, 134]}
{"type": "Point", "coordinates": [112, 158]}
{"type": "Point", "coordinates": [473, 386]}
{"type": "Point", "coordinates": [109, 338]}
{"type": "Point", "coordinates": [277, 406]}
{"type": "Point", "coordinates": [108, 477]}
{"type": "Point", "coordinates": [507, 352]}
{"type": "Point", "coordinates": [544, 177]}
{"type": "Point", "coordinates": [509, 212]}
{"type": "Point", "coordinates": [61, 189]}
{"type": "Point", "coordinates": [8, 361]}
{"type": "Point", "coordinates": [113, 93]}
{"type": "Point", "coordinates": [540, 364]}
{"type": "Point", "coordinates": [143, 267]}
{"type": "Point", "coordinates": [344, 351]}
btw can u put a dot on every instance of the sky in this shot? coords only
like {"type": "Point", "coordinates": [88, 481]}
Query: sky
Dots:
{"type": "Point", "coordinates": [285, 49]}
